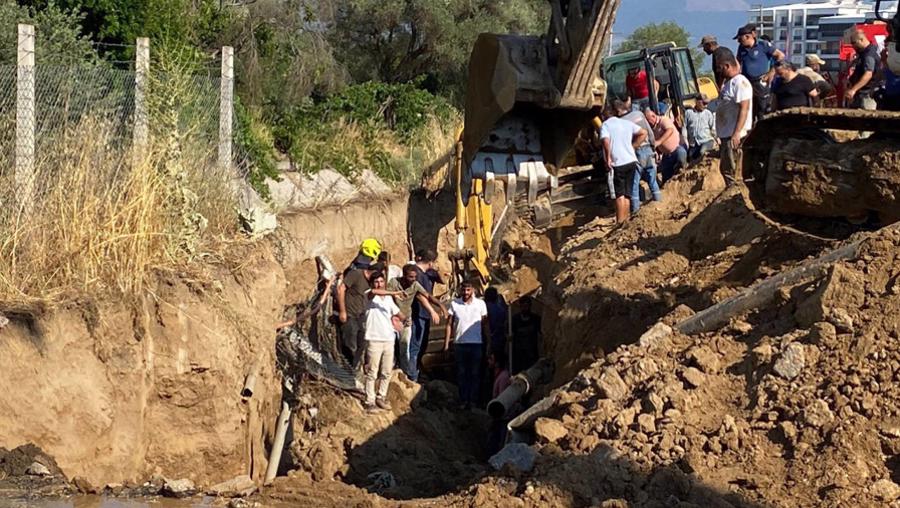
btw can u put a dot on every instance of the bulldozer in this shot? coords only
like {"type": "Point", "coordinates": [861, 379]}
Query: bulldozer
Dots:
{"type": "Point", "coordinates": [529, 101]}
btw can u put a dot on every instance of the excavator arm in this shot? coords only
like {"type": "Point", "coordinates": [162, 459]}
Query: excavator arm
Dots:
{"type": "Point", "coordinates": [527, 100]}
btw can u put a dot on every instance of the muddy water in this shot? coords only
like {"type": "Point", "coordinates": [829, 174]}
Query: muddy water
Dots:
{"type": "Point", "coordinates": [110, 502]}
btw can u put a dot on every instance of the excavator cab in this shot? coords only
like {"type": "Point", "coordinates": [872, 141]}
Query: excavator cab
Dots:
{"type": "Point", "coordinates": [668, 67]}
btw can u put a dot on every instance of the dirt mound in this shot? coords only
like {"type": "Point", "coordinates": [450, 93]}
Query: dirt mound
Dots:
{"type": "Point", "coordinates": [794, 404]}
{"type": "Point", "coordinates": [422, 447]}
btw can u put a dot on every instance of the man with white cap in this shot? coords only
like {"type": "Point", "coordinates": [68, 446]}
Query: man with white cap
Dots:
{"type": "Point", "coordinates": [813, 71]}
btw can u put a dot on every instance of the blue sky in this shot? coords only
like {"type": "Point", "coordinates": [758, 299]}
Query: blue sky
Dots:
{"type": "Point", "coordinates": [700, 17]}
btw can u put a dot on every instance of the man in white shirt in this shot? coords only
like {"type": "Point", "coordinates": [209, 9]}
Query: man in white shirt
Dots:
{"type": "Point", "coordinates": [383, 318]}
{"type": "Point", "coordinates": [620, 138]}
{"type": "Point", "coordinates": [733, 118]}
{"type": "Point", "coordinates": [468, 325]}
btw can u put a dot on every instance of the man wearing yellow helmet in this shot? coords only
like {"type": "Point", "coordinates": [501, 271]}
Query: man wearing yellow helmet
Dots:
{"type": "Point", "coordinates": [370, 249]}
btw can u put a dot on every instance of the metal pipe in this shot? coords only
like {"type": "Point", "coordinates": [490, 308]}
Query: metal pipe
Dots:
{"type": "Point", "coordinates": [521, 385]}
{"type": "Point", "coordinates": [278, 444]}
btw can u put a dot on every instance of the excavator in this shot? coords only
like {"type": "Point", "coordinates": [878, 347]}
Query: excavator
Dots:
{"type": "Point", "coordinates": [531, 98]}
{"type": "Point", "coordinates": [529, 101]}
{"type": "Point", "coordinates": [795, 168]}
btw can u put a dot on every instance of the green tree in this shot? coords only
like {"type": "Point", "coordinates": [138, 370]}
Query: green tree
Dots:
{"type": "Point", "coordinates": [400, 40]}
{"type": "Point", "coordinates": [59, 38]}
{"type": "Point", "coordinates": [652, 34]}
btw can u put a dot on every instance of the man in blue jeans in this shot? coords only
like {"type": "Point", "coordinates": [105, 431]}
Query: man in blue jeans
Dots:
{"type": "Point", "coordinates": [468, 325]}
{"type": "Point", "coordinates": [421, 317]}
{"type": "Point", "coordinates": [646, 163]}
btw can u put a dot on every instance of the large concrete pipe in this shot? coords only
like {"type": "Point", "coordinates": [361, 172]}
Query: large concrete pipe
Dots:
{"type": "Point", "coordinates": [521, 384]}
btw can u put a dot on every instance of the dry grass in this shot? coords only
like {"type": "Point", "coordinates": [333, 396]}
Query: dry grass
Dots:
{"type": "Point", "coordinates": [101, 221]}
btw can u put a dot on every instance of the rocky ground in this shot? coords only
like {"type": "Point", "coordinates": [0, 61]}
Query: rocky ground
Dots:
{"type": "Point", "coordinates": [791, 403]}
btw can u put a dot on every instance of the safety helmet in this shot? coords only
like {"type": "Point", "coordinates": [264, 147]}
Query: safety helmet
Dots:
{"type": "Point", "coordinates": [370, 248]}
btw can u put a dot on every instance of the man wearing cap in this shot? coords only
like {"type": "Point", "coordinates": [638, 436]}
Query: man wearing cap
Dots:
{"type": "Point", "coordinates": [700, 124]}
{"type": "Point", "coordinates": [733, 118]}
{"type": "Point", "coordinates": [710, 46]}
{"type": "Point", "coordinates": [754, 56]}
{"type": "Point", "coordinates": [813, 71]}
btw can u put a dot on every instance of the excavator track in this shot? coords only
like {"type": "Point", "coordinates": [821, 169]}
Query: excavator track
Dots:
{"type": "Point", "coordinates": [795, 166]}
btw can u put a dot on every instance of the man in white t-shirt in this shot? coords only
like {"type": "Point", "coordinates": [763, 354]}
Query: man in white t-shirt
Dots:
{"type": "Point", "coordinates": [733, 117]}
{"type": "Point", "coordinates": [383, 318]}
{"type": "Point", "coordinates": [468, 325]}
{"type": "Point", "coordinates": [620, 137]}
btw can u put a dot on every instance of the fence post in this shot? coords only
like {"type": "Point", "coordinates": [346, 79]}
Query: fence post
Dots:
{"type": "Point", "coordinates": [141, 117]}
{"type": "Point", "coordinates": [25, 118]}
{"type": "Point", "coordinates": [226, 107]}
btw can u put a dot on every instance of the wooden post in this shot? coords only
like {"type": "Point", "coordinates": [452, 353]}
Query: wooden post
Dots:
{"type": "Point", "coordinates": [226, 107]}
{"type": "Point", "coordinates": [25, 125]}
{"type": "Point", "coordinates": [141, 117]}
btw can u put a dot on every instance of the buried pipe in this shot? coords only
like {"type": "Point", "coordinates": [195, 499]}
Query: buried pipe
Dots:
{"type": "Point", "coordinates": [520, 385]}
{"type": "Point", "coordinates": [278, 444]}
{"type": "Point", "coordinates": [250, 381]}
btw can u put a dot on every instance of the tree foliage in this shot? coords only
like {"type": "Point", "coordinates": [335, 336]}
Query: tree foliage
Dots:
{"type": "Point", "coordinates": [399, 40]}
{"type": "Point", "coordinates": [59, 34]}
{"type": "Point", "coordinates": [652, 34]}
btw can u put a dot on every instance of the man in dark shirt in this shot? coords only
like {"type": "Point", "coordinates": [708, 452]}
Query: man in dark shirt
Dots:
{"type": "Point", "coordinates": [711, 47]}
{"type": "Point", "coordinates": [421, 318]}
{"type": "Point", "coordinates": [526, 336]}
{"type": "Point", "coordinates": [755, 55]}
{"type": "Point", "coordinates": [497, 318]}
{"type": "Point", "coordinates": [862, 81]}
{"type": "Point", "coordinates": [791, 89]}
{"type": "Point", "coordinates": [352, 301]}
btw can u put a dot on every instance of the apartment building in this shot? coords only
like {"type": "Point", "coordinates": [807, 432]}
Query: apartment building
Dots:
{"type": "Point", "coordinates": [814, 26]}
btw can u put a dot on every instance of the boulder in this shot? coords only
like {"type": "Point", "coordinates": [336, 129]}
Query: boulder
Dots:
{"type": "Point", "coordinates": [178, 488]}
{"type": "Point", "coordinates": [518, 456]}
{"type": "Point", "coordinates": [611, 384]}
{"type": "Point", "coordinates": [693, 377]}
{"type": "Point", "coordinates": [239, 486]}
{"type": "Point", "coordinates": [791, 362]}
{"type": "Point", "coordinates": [885, 490]}
{"type": "Point", "coordinates": [37, 469]}
{"type": "Point", "coordinates": [549, 430]}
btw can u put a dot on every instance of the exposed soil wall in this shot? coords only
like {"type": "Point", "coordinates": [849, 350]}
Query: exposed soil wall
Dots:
{"type": "Point", "coordinates": [118, 391]}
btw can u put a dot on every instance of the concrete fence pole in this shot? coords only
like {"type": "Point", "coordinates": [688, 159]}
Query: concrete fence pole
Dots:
{"type": "Point", "coordinates": [141, 116]}
{"type": "Point", "coordinates": [25, 125]}
{"type": "Point", "coordinates": [226, 107]}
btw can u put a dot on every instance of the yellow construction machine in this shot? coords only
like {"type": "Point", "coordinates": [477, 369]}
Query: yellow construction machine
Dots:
{"type": "Point", "coordinates": [529, 101]}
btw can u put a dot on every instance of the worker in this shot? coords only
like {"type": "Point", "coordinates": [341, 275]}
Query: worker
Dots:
{"type": "Point", "coordinates": [619, 138]}
{"type": "Point", "coordinates": [526, 336]}
{"type": "Point", "coordinates": [498, 317]}
{"type": "Point", "coordinates": [700, 124]}
{"type": "Point", "coordinates": [813, 71]}
{"type": "Point", "coordinates": [710, 46]}
{"type": "Point", "coordinates": [791, 89]}
{"type": "Point", "coordinates": [862, 80]}
{"type": "Point", "coordinates": [352, 302]}
{"type": "Point", "coordinates": [668, 143]}
{"type": "Point", "coordinates": [393, 271]}
{"type": "Point", "coordinates": [383, 319]}
{"type": "Point", "coordinates": [468, 326]}
{"type": "Point", "coordinates": [889, 96]}
{"type": "Point", "coordinates": [407, 290]}
{"type": "Point", "coordinates": [733, 118]}
{"type": "Point", "coordinates": [369, 250]}
{"type": "Point", "coordinates": [646, 156]}
{"type": "Point", "coordinates": [637, 86]}
{"type": "Point", "coordinates": [755, 58]}
{"type": "Point", "coordinates": [421, 318]}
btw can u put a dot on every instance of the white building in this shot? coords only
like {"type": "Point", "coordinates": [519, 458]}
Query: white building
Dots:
{"type": "Point", "coordinates": [814, 26]}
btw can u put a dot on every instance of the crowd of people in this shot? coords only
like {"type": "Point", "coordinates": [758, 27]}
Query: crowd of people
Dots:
{"type": "Point", "coordinates": [384, 314]}
{"type": "Point", "coordinates": [641, 143]}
